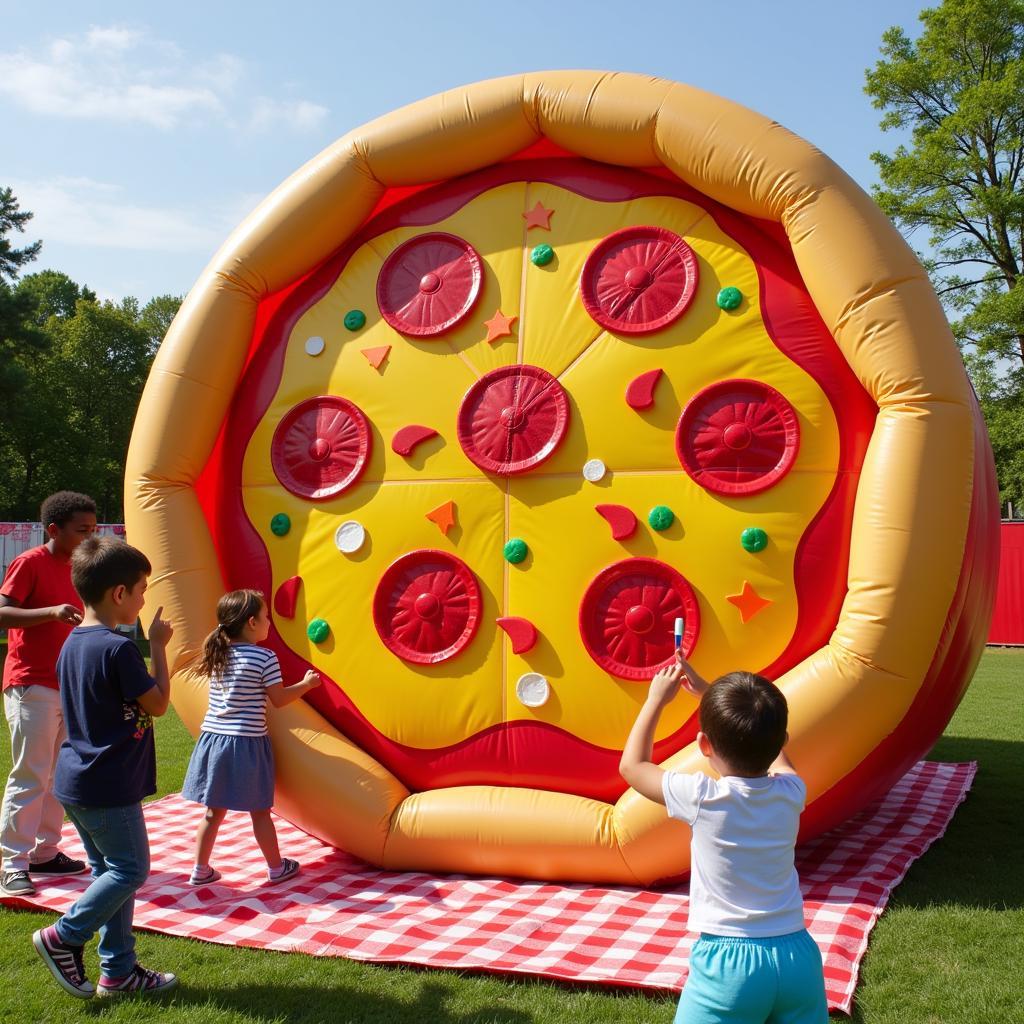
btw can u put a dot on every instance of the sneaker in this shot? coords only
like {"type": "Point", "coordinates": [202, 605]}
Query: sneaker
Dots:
{"type": "Point", "coordinates": [203, 876]}
{"type": "Point", "coordinates": [16, 883]}
{"type": "Point", "coordinates": [61, 864]}
{"type": "Point", "coordinates": [141, 981]}
{"type": "Point", "coordinates": [65, 963]}
{"type": "Point", "coordinates": [287, 869]}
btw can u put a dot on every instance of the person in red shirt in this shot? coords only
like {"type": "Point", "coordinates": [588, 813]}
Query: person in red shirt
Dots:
{"type": "Point", "coordinates": [38, 607]}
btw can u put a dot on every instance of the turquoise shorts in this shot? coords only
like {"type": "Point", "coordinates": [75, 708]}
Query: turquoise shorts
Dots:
{"type": "Point", "coordinates": [768, 981]}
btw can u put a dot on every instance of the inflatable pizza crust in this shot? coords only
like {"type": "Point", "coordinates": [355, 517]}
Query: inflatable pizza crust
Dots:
{"type": "Point", "coordinates": [504, 389]}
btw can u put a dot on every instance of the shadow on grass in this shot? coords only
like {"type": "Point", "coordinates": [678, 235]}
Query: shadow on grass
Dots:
{"type": "Point", "coordinates": [339, 1004]}
{"type": "Point", "coordinates": [977, 863]}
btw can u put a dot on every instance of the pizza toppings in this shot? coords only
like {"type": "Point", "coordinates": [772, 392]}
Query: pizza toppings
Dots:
{"type": "Point", "coordinates": [754, 539]}
{"type": "Point", "coordinates": [521, 632]}
{"type": "Point", "coordinates": [355, 319]}
{"type": "Point", "coordinates": [429, 284]}
{"type": "Point", "coordinates": [515, 550]}
{"type": "Point", "coordinates": [406, 438]}
{"type": "Point", "coordinates": [729, 298]}
{"type": "Point", "coordinates": [427, 607]}
{"type": "Point", "coordinates": [640, 393]}
{"type": "Point", "coordinates": [512, 419]}
{"type": "Point", "coordinates": [287, 597]}
{"type": "Point", "coordinates": [639, 280]}
{"type": "Point", "coordinates": [318, 630]}
{"type": "Point", "coordinates": [621, 519]}
{"type": "Point", "coordinates": [320, 447]}
{"type": "Point", "coordinates": [628, 613]}
{"type": "Point", "coordinates": [737, 437]}
{"type": "Point", "coordinates": [542, 255]}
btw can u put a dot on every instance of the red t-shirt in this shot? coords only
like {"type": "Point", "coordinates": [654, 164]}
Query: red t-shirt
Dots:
{"type": "Point", "coordinates": [37, 579]}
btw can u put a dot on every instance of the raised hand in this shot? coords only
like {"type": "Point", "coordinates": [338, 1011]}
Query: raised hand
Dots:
{"type": "Point", "coordinates": [691, 681]}
{"type": "Point", "coordinates": [160, 630]}
{"type": "Point", "coordinates": [665, 684]}
{"type": "Point", "coordinates": [312, 679]}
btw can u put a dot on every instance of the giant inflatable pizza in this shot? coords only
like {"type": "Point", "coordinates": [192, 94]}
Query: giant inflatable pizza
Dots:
{"type": "Point", "coordinates": [498, 388]}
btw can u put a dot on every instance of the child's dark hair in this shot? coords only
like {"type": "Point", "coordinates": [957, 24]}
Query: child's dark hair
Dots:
{"type": "Point", "coordinates": [234, 610]}
{"type": "Point", "coordinates": [60, 508]}
{"type": "Point", "coordinates": [745, 717]}
{"type": "Point", "coordinates": [101, 563]}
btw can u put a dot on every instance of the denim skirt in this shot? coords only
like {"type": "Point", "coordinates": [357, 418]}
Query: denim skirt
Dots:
{"type": "Point", "coordinates": [233, 772]}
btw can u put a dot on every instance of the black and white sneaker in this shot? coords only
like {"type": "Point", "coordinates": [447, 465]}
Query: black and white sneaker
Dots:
{"type": "Point", "coordinates": [16, 883]}
{"type": "Point", "coordinates": [65, 963]}
{"type": "Point", "coordinates": [141, 981]}
{"type": "Point", "coordinates": [61, 864]}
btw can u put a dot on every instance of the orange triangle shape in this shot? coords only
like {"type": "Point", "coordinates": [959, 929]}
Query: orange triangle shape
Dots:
{"type": "Point", "coordinates": [376, 356]}
{"type": "Point", "coordinates": [443, 516]}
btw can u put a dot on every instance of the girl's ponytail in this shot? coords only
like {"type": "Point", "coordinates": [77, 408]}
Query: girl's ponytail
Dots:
{"type": "Point", "coordinates": [234, 610]}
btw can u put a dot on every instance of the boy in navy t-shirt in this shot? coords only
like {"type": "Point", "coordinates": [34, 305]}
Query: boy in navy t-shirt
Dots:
{"type": "Point", "coordinates": [106, 766]}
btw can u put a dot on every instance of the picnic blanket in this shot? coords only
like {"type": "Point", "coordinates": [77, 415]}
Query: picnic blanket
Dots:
{"type": "Point", "coordinates": [610, 935]}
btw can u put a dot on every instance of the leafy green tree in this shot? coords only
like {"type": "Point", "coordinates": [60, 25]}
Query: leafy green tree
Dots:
{"type": "Point", "coordinates": [53, 294]}
{"type": "Point", "coordinates": [958, 91]}
{"type": "Point", "coordinates": [18, 333]}
{"type": "Point", "coordinates": [69, 423]}
{"type": "Point", "coordinates": [13, 218]}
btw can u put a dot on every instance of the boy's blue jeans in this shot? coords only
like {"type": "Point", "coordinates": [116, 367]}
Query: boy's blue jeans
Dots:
{"type": "Point", "coordinates": [117, 845]}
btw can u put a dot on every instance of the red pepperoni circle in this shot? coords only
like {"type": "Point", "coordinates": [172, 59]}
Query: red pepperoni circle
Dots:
{"type": "Point", "coordinates": [627, 617]}
{"type": "Point", "coordinates": [321, 447]}
{"type": "Point", "coordinates": [428, 284]}
{"type": "Point", "coordinates": [427, 606]}
{"type": "Point", "coordinates": [512, 419]}
{"type": "Point", "coordinates": [638, 280]}
{"type": "Point", "coordinates": [737, 437]}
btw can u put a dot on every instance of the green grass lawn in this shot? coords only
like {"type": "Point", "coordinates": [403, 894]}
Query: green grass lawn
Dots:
{"type": "Point", "coordinates": [948, 950]}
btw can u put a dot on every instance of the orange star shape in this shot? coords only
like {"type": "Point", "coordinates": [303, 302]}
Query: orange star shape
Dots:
{"type": "Point", "coordinates": [538, 217]}
{"type": "Point", "coordinates": [499, 326]}
{"type": "Point", "coordinates": [443, 517]}
{"type": "Point", "coordinates": [749, 601]}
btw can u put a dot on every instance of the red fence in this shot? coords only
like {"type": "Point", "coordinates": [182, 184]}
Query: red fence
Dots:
{"type": "Point", "coordinates": [1008, 617]}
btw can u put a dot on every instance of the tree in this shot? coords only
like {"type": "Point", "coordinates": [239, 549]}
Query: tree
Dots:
{"type": "Point", "coordinates": [13, 219]}
{"type": "Point", "coordinates": [959, 91]}
{"type": "Point", "coordinates": [69, 422]}
{"type": "Point", "coordinates": [17, 331]}
{"type": "Point", "coordinates": [53, 294]}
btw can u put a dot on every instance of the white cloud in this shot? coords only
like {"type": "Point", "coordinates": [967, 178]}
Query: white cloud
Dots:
{"type": "Point", "coordinates": [83, 212]}
{"type": "Point", "coordinates": [120, 74]}
{"type": "Point", "coordinates": [301, 114]}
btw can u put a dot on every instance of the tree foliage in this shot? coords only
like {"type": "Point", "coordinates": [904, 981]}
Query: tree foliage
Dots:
{"type": "Point", "coordinates": [71, 376]}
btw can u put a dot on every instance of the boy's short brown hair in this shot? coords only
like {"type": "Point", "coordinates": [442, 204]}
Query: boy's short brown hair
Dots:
{"type": "Point", "coordinates": [745, 717]}
{"type": "Point", "coordinates": [101, 563]}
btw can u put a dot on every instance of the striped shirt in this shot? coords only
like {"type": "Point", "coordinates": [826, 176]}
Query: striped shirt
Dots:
{"type": "Point", "coordinates": [238, 697]}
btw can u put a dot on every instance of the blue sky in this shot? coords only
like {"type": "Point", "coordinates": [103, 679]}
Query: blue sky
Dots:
{"type": "Point", "coordinates": [140, 135]}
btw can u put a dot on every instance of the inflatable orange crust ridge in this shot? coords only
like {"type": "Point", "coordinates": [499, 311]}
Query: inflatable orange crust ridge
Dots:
{"type": "Point", "coordinates": [405, 395]}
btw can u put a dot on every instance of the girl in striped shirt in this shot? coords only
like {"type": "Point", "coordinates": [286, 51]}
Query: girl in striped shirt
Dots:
{"type": "Point", "coordinates": [232, 765]}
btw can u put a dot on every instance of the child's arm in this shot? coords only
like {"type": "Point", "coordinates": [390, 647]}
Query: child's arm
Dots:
{"type": "Point", "coordinates": [157, 699]}
{"type": "Point", "coordinates": [13, 616]}
{"type": "Point", "coordinates": [782, 764]}
{"type": "Point", "coordinates": [280, 695]}
{"type": "Point", "coordinates": [636, 766]}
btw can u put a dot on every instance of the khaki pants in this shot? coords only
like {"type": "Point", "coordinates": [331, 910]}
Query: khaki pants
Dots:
{"type": "Point", "coordinates": [31, 818]}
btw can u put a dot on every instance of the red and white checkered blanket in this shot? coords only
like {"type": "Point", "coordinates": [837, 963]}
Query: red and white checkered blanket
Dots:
{"type": "Point", "coordinates": [338, 906]}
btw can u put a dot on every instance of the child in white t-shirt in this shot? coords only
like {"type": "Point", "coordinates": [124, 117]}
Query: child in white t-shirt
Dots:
{"type": "Point", "coordinates": [754, 960]}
